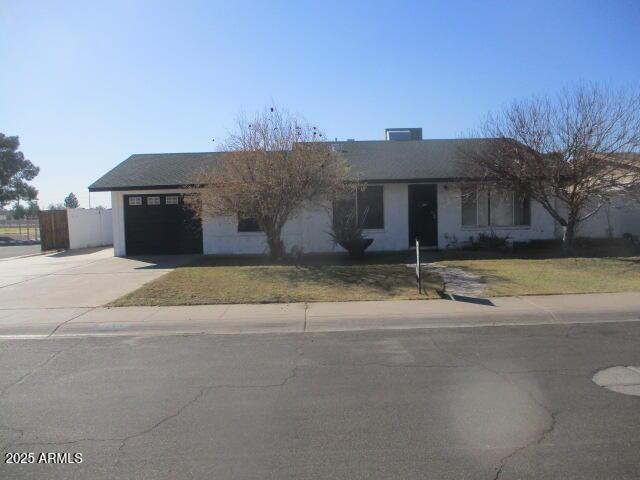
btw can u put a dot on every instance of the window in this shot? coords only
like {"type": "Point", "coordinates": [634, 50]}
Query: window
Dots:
{"type": "Point", "coordinates": [368, 205]}
{"type": "Point", "coordinates": [501, 208]}
{"type": "Point", "coordinates": [469, 207]}
{"type": "Point", "coordinates": [172, 200]}
{"type": "Point", "coordinates": [135, 200]}
{"type": "Point", "coordinates": [153, 200]}
{"type": "Point", "coordinates": [522, 210]}
{"type": "Point", "coordinates": [483, 207]}
{"type": "Point", "coordinates": [248, 225]}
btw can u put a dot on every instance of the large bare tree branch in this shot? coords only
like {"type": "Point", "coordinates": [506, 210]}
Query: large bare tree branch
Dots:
{"type": "Point", "coordinates": [569, 152]}
{"type": "Point", "coordinates": [273, 164]}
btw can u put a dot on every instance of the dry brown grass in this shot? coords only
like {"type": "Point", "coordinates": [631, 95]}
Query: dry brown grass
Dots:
{"type": "Point", "coordinates": [218, 282]}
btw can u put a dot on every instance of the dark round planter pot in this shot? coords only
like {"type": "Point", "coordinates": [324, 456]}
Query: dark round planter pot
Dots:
{"type": "Point", "coordinates": [356, 248]}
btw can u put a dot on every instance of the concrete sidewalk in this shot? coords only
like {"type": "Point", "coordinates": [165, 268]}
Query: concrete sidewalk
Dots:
{"type": "Point", "coordinates": [319, 317]}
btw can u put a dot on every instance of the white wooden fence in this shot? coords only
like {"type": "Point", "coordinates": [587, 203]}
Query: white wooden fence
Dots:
{"type": "Point", "coordinates": [89, 227]}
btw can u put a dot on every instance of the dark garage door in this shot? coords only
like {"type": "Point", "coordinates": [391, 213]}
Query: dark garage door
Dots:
{"type": "Point", "coordinates": [158, 224]}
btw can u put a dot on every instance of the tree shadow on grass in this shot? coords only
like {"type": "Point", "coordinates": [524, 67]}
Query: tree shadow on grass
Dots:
{"type": "Point", "coordinates": [533, 254]}
{"type": "Point", "coordinates": [634, 264]}
{"type": "Point", "coordinates": [308, 260]}
{"type": "Point", "coordinates": [541, 249]}
{"type": "Point", "coordinates": [631, 260]}
{"type": "Point", "coordinates": [388, 280]}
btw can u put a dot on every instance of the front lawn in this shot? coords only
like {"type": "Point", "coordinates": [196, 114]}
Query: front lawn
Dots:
{"type": "Point", "coordinates": [218, 281]}
{"type": "Point", "coordinates": [510, 276]}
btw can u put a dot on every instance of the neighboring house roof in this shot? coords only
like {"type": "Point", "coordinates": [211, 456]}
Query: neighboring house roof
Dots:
{"type": "Point", "coordinates": [377, 160]}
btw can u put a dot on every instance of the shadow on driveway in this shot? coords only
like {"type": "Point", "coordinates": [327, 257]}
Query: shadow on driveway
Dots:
{"type": "Point", "coordinates": [76, 252]}
{"type": "Point", "coordinates": [164, 261]}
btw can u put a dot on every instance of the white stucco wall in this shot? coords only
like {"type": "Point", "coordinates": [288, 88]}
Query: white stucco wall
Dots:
{"type": "Point", "coordinates": [117, 222]}
{"type": "Point", "coordinates": [220, 236]}
{"type": "Point", "coordinates": [395, 235]}
{"type": "Point", "coordinates": [89, 227]}
{"type": "Point", "coordinates": [309, 229]}
{"type": "Point", "coordinates": [450, 229]}
{"type": "Point", "coordinates": [621, 216]}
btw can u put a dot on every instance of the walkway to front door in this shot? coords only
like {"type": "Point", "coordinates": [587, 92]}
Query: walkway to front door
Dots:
{"type": "Point", "coordinates": [423, 215]}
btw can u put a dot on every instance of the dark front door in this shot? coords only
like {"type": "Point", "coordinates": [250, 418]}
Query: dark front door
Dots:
{"type": "Point", "coordinates": [158, 224]}
{"type": "Point", "coordinates": [423, 215]}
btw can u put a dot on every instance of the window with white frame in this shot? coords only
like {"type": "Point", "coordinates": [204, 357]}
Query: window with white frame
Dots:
{"type": "Point", "coordinates": [135, 200]}
{"type": "Point", "coordinates": [490, 207]}
{"type": "Point", "coordinates": [172, 200]}
{"type": "Point", "coordinates": [153, 200]}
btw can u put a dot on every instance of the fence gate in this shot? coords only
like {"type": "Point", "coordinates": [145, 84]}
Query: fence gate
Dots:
{"type": "Point", "coordinates": [54, 229]}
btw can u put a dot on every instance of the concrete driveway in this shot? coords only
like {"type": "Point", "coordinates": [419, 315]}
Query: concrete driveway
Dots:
{"type": "Point", "coordinates": [76, 278]}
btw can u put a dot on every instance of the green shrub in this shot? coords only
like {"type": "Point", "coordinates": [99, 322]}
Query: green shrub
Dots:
{"type": "Point", "coordinates": [491, 241]}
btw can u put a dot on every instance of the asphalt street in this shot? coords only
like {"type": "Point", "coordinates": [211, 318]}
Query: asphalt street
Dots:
{"type": "Point", "coordinates": [479, 403]}
{"type": "Point", "coordinates": [9, 250]}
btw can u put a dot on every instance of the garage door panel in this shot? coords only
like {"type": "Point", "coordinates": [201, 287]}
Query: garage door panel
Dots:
{"type": "Point", "coordinates": [160, 228]}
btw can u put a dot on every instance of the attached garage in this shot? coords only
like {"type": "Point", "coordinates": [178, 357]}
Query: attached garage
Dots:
{"type": "Point", "coordinates": [156, 224]}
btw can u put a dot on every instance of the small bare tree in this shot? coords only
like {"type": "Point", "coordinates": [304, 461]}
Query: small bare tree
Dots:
{"type": "Point", "coordinates": [571, 153]}
{"type": "Point", "coordinates": [273, 164]}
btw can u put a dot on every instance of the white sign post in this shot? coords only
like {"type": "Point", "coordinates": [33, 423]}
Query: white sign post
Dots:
{"type": "Point", "coordinates": [418, 279]}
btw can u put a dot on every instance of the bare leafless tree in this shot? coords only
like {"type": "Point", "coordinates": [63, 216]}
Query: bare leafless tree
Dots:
{"type": "Point", "coordinates": [273, 163]}
{"type": "Point", "coordinates": [572, 153]}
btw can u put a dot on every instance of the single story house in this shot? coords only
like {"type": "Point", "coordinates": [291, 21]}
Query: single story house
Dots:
{"type": "Point", "coordinates": [413, 190]}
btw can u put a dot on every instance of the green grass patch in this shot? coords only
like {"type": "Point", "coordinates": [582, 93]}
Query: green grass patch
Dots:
{"type": "Point", "coordinates": [16, 230]}
{"type": "Point", "coordinates": [506, 277]}
{"type": "Point", "coordinates": [220, 281]}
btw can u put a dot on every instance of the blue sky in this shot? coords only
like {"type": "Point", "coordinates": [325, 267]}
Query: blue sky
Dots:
{"type": "Point", "coordinates": [86, 84]}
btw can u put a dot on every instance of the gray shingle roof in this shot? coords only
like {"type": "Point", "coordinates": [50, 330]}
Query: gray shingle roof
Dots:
{"type": "Point", "coordinates": [405, 160]}
{"type": "Point", "coordinates": [150, 170]}
{"type": "Point", "coordinates": [372, 160]}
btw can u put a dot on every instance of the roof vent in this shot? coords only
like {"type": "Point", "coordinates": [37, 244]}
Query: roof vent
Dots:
{"type": "Point", "coordinates": [400, 134]}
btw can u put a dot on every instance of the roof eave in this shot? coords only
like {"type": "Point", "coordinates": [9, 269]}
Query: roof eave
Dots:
{"type": "Point", "coordinates": [364, 180]}
{"type": "Point", "coordinates": [135, 187]}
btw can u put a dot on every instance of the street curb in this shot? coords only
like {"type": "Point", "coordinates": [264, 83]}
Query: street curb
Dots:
{"type": "Point", "coordinates": [323, 318]}
{"type": "Point", "coordinates": [205, 331]}
{"type": "Point", "coordinates": [47, 252]}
